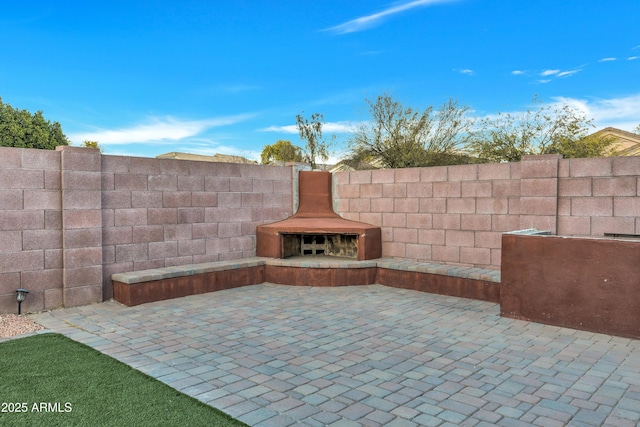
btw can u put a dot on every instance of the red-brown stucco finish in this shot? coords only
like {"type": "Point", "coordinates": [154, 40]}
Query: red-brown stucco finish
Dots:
{"type": "Point", "coordinates": [582, 283]}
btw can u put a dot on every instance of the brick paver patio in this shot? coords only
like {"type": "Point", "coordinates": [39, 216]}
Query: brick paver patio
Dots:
{"type": "Point", "coordinates": [273, 355]}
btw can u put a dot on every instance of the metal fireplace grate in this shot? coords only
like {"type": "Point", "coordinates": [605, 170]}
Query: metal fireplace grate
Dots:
{"type": "Point", "coordinates": [342, 245]}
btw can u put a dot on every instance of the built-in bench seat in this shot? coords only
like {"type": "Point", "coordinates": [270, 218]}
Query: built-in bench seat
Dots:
{"type": "Point", "coordinates": [440, 269]}
{"type": "Point", "coordinates": [185, 270]}
{"type": "Point", "coordinates": [138, 287]}
{"type": "Point", "coordinates": [445, 279]}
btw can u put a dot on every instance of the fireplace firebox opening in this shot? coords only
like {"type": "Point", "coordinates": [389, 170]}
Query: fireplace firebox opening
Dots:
{"type": "Point", "coordinates": [307, 244]}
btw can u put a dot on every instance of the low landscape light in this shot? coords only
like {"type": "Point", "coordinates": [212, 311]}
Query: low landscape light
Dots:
{"type": "Point", "coordinates": [21, 294]}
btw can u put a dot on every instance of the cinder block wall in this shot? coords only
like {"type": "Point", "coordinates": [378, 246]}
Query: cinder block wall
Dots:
{"type": "Point", "coordinates": [445, 214]}
{"type": "Point", "coordinates": [70, 218]}
{"type": "Point", "coordinates": [456, 214]}
{"type": "Point", "coordinates": [30, 228]}
{"type": "Point", "coordinates": [164, 212]}
{"type": "Point", "coordinates": [598, 196]}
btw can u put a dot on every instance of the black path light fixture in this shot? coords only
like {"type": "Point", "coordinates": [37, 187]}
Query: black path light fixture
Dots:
{"type": "Point", "coordinates": [21, 294]}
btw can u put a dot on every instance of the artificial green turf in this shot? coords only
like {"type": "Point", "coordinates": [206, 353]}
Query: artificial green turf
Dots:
{"type": "Point", "coordinates": [98, 390]}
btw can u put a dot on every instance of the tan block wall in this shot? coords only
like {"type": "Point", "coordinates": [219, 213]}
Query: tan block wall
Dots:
{"type": "Point", "coordinates": [81, 226]}
{"type": "Point", "coordinates": [165, 212]}
{"type": "Point", "coordinates": [459, 213]}
{"type": "Point", "coordinates": [445, 214]}
{"type": "Point", "coordinates": [70, 218]}
{"type": "Point", "coordinates": [31, 254]}
{"type": "Point", "coordinates": [599, 196]}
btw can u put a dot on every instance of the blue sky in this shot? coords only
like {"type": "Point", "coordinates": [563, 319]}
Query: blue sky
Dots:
{"type": "Point", "coordinates": [148, 77]}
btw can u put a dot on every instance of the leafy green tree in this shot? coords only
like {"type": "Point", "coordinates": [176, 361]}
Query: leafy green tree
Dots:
{"type": "Point", "coordinates": [360, 160]}
{"type": "Point", "coordinates": [283, 151]}
{"type": "Point", "coordinates": [637, 130]}
{"type": "Point", "coordinates": [584, 146]}
{"type": "Point", "coordinates": [92, 144]}
{"type": "Point", "coordinates": [310, 131]}
{"type": "Point", "coordinates": [400, 137]}
{"type": "Point", "coordinates": [19, 128]}
{"type": "Point", "coordinates": [548, 129]}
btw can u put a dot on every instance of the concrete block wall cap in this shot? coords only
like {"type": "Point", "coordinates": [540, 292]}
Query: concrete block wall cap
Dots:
{"type": "Point", "coordinates": [476, 273]}
{"type": "Point", "coordinates": [153, 274]}
{"type": "Point", "coordinates": [184, 270]}
{"type": "Point", "coordinates": [257, 260]}
{"type": "Point", "coordinates": [459, 272]}
{"type": "Point", "coordinates": [541, 157]}
{"type": "Point", "coordinates": [228, 264]}
{"type": "Point", "coordinates": [172, 272]}
{"type": "Point", "coordinates": [243, 262]}
{"type": "Point", "coordinates": [208, 267]}
{"type": "Point", "coordinates": [452, 270]}
{"type": "Point", "coordinates": [143, 276]}
{"type": "Point", "coordinates": [434, 269]}
{"type": "Point", "coordinates": [231, 264]}
{"type": "Point", "coordinates": [139, 276]}
{"type": "Point", "coordinates": [443, 269]}
{"type": "Point", "coordinates": [430, 266]}
{"type": "Point", "coordinates": [204, 268]}
{"type": "Point", "coordinates": [394, 264]}
{"type": "Point", "coordinates": [491, 277]}
{"type": "Point", "coordinates": [427, 268]}
{"type": "Point", "coordinates": [276, 261]}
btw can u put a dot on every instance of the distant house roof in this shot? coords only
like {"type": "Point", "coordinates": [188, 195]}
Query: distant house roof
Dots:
{"type": "Point", "coordinates": [220, 158]}
{"type": "Point", "coordinates": [627, 143]}
{"type": "Point", "coordinates": [348, 166]}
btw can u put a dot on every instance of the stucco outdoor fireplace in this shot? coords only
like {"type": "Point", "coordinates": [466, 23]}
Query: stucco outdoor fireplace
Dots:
{"type": "Point", "coordinates": [315, 229]}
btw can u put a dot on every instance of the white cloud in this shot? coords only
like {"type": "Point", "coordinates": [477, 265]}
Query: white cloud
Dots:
{"type": "Point", "coordinates": [567, 73]}
{"type": "Point", "coordinates": [517, 72]}
{"type": "Point", "coordinates": [557, 73]}
{"type": "Point", "coordinates": [327, 128]}
{"type": "Point", "coordinates": [609, 59]}
{"type": "Point", "coordinates": [467, 72]}
{"type": "Point", "coordinates": [338, 127]}
{"type": "Point", "coordinates": [632, 58]}
{"type": "Point", "coordinates": [365, 22]}
{"type": "Point", "coordinates": [156, 129]}
{"type": "Point", "coordinates": [281, 129]}
{"type": "Point", "coordinates": [622, 113]}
